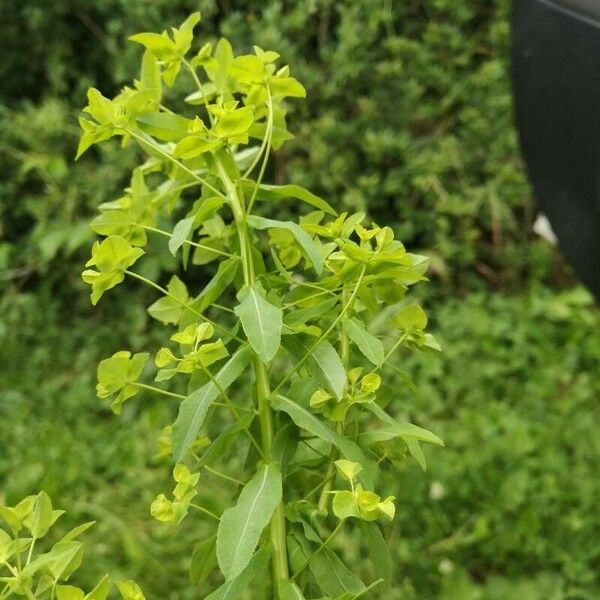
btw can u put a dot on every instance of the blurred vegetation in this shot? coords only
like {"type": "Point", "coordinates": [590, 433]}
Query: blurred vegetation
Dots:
{"type": "Point", "coordinates": [507, 509]}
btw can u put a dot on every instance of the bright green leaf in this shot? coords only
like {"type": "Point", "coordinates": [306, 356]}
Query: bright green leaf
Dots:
{"type": "Point", "coordinates": [370, 346]}
{"type": "Point", "coordinates": [192, 410]}
{"type": "Point", "coordinates": [303, 238]}
{"type": "Point", "coordinates": [261, 322]}
{"type": "Point", "coordinates": [240, 526]}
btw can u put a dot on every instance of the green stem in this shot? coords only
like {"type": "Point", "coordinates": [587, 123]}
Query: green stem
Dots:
{"type": "Point", "coordinates": [150, 142]}
{"type": "Point", "coordinates": [180, 302]}
{"type": "Point", "coordinates": [269, 136]}
{"type": "Point", "coordinates": [157, 390]}
{"type": "Point", "coordinates": [223, 475]}
{"type": "Point", "coordinates": [205, 511]}
{"type": "Point", "coordinates": [277, 525]}
{"type": "Point", "coordinates": [188, 242]}
{"type": "Point", "coordinates": [199, 86]}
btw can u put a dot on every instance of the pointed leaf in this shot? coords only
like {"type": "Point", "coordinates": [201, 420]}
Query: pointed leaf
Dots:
{"type": "Point", "coordinates": [279, 192]}
{"type": "Point", "coordinates": [367, 343]}
{"type": "Point", "coordinates": [301, 236]}
{"type": "Point", "coordinates": [307, 420]}
{"type": "Point", "coordinates": [236, 587]}
{"type": "Point", "coordinates": [192, 410]}
{"type": "Point", "coordinates": [323, 362]}
{"type": "Point", "coordinates": [241, 525]}
{"type": "Point", "coordinates": [204, 560]}
{"type": "Point", "coordinates": [180, 234]}
{"type": "Point", "coordinates": [261, 321]}
{"type": "Point", "coordinates": [100, 592]}
{"type": "Point", "coordinates": [378, 551]}
{"type": "Point", "coordinates": [41, 518]}
{"type": "Point", "coordinates": [217, 285]}
{"type": "Point", "coordinates": [290, 591]}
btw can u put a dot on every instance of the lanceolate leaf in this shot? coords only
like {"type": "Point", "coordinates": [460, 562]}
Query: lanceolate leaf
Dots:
{"type": "Point", "coordinates": [204, 560]}
{"type": "Point", "coordinates": [307, 420]}
{"type": "Point", "coordinates": [331, 574]}
{"type": "Point", "coordinates": [394, 429]}
{"type": "Point", "coordinates": [290, 591]}
{"type": "Point", "coordinates": [400, 430]}
{"type": "Point", "coordinates": [241, 525]}
{"type": "Point", "coordinates": [279, 192]}
{"type": "Point", "coordinates": [217, 285]}
{"type": "Point", "coordinates": [366, 342]}
{"type": "Point", "coordinates": [301, 236]}
{"type": "Point", "coordinates": [261, 322]}
{"type": "Point", "coordinates": [236, 587]}
{"type": "Point", "coordinates": [192, 410]}
{"type": "Point", "coordinates": [323, 362]}
{"type": "Point", "coordinates": [378, 551]}
{"type": "Point", "coordinates": [180, 234]}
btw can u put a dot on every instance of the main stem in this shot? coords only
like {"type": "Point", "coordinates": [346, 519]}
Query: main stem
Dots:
{"type": "Point", "coordinates": [263, 388]}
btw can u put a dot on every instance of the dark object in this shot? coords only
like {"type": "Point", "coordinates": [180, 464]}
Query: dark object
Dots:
{"type": "Point", "coordinates": [556, 74]}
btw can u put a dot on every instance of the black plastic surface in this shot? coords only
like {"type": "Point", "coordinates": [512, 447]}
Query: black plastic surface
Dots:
{"type": "Point", "coordinates": [556, 73]}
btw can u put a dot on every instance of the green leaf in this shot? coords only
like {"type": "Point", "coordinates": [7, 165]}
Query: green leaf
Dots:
{"type": "Point", "coordinates": [185, 34]}
{"type": "Point", "coordinates": [344, 505]}
{"type": "Point", "coordinates": [411, 318]}
{"type": "Point", "coordinates": [261, 322]}
{"type": "Point", "coordinates": [111, 257]}
{"type": "Point", "coordinates": [286, 87]}
{"type": "Point", "coordinates": [233, 589]}
{"type": "Point", "coordinates": [302, 315]}
{"type": "Point", "coordinates": [218, 284]}
{"type": "Point", "coordinates": [235, 123]}
{"type": "Point", "coordinates": [416, 452]}
{"type": "Point", "coordinates": [273, 193]}
{"type": "Point", "coordinates": [193, 146]}
{"type": "Point", "coordinates": [41, 518]}
{"type": "Point", "coordinates": [247, 69]}
{"type": "Point", "coordinates": [164, 126]}
{"type": "Point", "coordinates": [303, 238]}
{"type": "Point", "coordinates": [69, 592]}
{"type": "Point", "coordinates": [61, 560]}
{"type": "Point", "coordinates": [370, 346]}
{"type": "Point", "coordinates": [158, 43]}
{"type": "Point", "coordinates": [8, 514]}
{"type": "Point", "coordinates": [323, 361]}
{"type": "Point", "coordinates": [227, 436]}
{"type": "Point", "coordinates": [411, 435]}
{"type": "Point", "coordinates": [284, 445]}
{"type": "Point", "coordinates": [130, 590]}
{"type": "Point", "coordinates": [400, 430]}
{"type": "Point", "coordinates": [118, 374]}
{"type": "Point", "coordinates": [181, 231]}
{"type": "Point", "coordinates": [348, 469]}
{"type": "Point", "coordinates": [168, 310]}
{"type": "Point", "coordinates": [192, 410]}
{"type": "Point", "coordinates": [307, 420]}
{"type": "Point", "coordinates": [100, 592]}
{"type": "Point", "coordinates": [290, 591]}
{"type": "Point", "coordinates": [379, 552]}
{"type": "Point", "coordinates": [333, 577]}
{"type": "Point", "coordinates": [204, 560]}
{"type": "Point", "coordinates": [240, 526]}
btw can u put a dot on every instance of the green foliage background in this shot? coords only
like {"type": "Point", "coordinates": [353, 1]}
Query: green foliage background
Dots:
{"type": "Point", "coordinates": [410, 103]}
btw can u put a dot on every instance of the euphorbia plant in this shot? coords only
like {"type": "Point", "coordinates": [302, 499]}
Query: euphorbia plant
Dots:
{"type": "Point", "coordinates": [277, 346]}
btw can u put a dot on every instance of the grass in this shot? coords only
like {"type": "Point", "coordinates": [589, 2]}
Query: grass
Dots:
{"type": "Point", "coordinates": [507, 509]}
